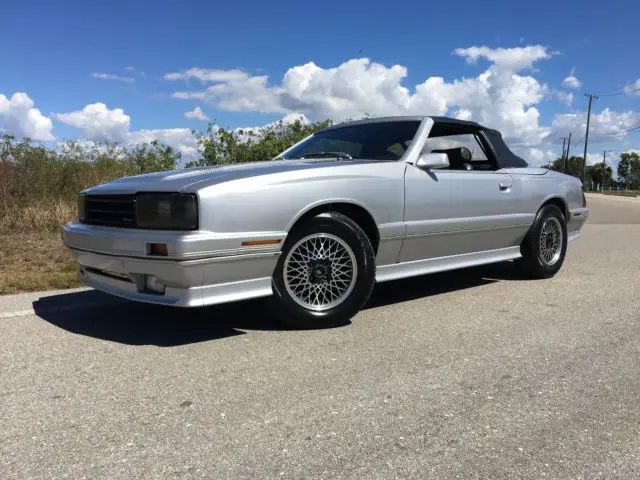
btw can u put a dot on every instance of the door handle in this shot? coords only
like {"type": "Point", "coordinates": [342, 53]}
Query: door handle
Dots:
{"type": "Point", "coordinates": [504, 186]}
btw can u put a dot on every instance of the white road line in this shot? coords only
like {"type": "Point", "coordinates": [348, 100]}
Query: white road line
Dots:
{"type": "Point", "coordinates": [19, 313]}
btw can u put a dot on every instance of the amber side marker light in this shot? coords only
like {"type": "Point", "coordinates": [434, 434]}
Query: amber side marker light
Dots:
{"type": "Point", "coordinates": [253, 243]}
{"type": "Point", "coordinates": [158, 249]}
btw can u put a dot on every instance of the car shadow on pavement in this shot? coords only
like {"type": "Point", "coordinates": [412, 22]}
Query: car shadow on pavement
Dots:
{"type": "Point", "coordinates": [118, 320]}
{"type": "Point", "coordinates": [95, 314]}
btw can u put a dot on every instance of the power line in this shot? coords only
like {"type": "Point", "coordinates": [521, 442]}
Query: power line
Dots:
{"type": "Point", "coordinates": [625, 91]}
{"type": "Point", "coordinates": [613, 89]}
{"type": "Point", "coordinates": [620, 87]}
{"type": "Point", "coordinates": [613, 134]}
{"type": "Point", "coordinates": [579, 141]}
{"type": "Point", "coordinates": [573, 143]}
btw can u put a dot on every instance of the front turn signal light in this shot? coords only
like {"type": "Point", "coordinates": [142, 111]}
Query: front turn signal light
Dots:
{"type": "Point", "coordinates": [159, 249]}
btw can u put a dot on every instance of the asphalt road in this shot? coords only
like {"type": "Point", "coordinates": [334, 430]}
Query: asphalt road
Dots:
{"type": "Point", "coordinates": [473, 374]}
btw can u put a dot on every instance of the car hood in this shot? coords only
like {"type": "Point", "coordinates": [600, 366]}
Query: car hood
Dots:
{"type": "Point", "coordinates": [192, 178]}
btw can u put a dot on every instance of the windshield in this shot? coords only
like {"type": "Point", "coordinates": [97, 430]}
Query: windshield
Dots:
{"type": "Point", "coordinates": [372, 141]}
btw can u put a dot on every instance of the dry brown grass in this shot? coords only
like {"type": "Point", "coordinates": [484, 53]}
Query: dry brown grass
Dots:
{"type": "Point", "coordinates": [38, 194]}
{"type": "Point", "coordinates": [38, 217]}
{"type": "Point", "coordinates": [34, 262]}
{"type": "Point", "coordinates": [32, 256]}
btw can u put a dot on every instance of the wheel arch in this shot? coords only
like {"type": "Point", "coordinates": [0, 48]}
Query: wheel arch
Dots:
{"type": "Point", "coordinates": [354, 210]}
{"type": "Point", "coordinates": [558, 202]}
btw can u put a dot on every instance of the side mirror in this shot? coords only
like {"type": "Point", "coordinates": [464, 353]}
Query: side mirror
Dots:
{"type": "Point", "coordinates": [433, 160]}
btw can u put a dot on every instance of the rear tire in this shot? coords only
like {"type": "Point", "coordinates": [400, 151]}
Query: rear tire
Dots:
{"type": "Point", "coordinates": [325, 273]}
{"type": "Point", "coordinates": [544, 247]}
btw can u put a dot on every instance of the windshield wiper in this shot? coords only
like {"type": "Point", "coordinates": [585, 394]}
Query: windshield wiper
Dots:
{"type": "Point", "coordinates": [342, 155]}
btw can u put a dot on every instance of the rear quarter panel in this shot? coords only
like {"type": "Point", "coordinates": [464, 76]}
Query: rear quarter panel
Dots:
{"type": "Point", "coordinates": [536, 189]}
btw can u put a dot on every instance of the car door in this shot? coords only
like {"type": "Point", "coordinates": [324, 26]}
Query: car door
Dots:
{"type": "Point", "coordinates": [457, 211]}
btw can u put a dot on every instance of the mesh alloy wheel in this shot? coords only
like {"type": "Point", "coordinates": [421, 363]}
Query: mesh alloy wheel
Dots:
{"type": "Point", "coordinates": [550, 246]}
{"type": "Point", "coordinates": [320, 271]}
{"type": "Point", "coordinates": [543, 248]}
{"type": "Point", "coordinates": [325, 273]}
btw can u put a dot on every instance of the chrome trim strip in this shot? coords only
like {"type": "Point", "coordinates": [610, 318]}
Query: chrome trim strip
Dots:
{"type": "Point", "coordinates": [156, 260]}
{"type": "Point", "coordinates": [441, 264]}
{"type": "Point", "coordinates": [232, 252]}
{"type": "Point", "coordinates": [472, 224]}
{"type": "Point", "coordinates": [468, 230]}
{"type": "Point", "coordinates": [392, 230]}
{"type": "Point", "coordinates": [181, 245]}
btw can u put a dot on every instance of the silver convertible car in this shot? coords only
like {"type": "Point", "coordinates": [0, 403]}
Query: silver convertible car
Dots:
{"type": "Point", "coordinates": [316, 227]}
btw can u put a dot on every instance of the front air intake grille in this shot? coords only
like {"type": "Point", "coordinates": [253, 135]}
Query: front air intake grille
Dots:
{"type": "Point", "coordinates": [111, 210]}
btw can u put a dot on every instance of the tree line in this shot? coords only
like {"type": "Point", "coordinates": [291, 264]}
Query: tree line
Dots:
{"type": "Point", "coordinates": [628, 170]}
{"type": "Point", "coordinates": [29, 171]}
{"type": "Point", "coordinates": [33, 174]}
{"type": "Point", "coordinates": [39, 185]}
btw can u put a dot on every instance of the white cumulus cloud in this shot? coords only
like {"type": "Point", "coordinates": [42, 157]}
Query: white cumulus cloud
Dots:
{"type": "Point", "coordinates": [536, 156]}
{"type": "Point", "coordinates": [504, 94]}
{"type": "Point", "coordinates": [19, 117]}
{"type": "Point", "coordinates": [207, 75]}
{"type": "Point", "coordinates": [634, 88]}
{"type": "Point", "coordinates": [180, 139]}
{"type": "Point", "coordinates": [511, 58]}
{"type": "Point", "coordinates": [593, 158]}
{"type": "Point", "coordinates": [115, 78]}
{"type": "Point", "coordinates": [196, 114]}
{"type": "Point", "coordinates": [565, 97]}
{"type": "Point", "coordinates": [606, 125]}
{"type": "Point", "coordinates": [500, 96]}
{"type": "Point", "coordinates": [98, 122]}
{"type": "Point", "coordinates": [251, 133]}
{"type": "Point", "coordinates": [571, 81]}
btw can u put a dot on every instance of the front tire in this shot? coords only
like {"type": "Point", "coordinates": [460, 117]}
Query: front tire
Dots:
{"type": "Point", "coordinates": [325, 273]}
{"type": "Point", "coordinates": [544, 247]}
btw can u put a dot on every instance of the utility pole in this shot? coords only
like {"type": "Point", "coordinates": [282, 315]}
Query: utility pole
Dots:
{"type": "Point", "coordinates": [566, 157]}
{"type": "Point", "coordinates": [564, 139]}
{"type": "Point", "coordinates": [604, 167]}
{"type": "Point", "coordinates": [586, 135]}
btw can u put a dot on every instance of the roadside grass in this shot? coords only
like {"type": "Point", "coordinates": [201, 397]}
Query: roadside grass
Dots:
{"type": "Point", "coordinates": [33, 262]}
{"type": "Point", "coordinates": [38, 217]}
{"type": "Point", "coordinates": [626, 193]}
{"type": "Point", "coordinates": [32, 256]}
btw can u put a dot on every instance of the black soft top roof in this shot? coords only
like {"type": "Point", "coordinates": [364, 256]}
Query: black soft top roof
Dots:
{"type": "Point", "coordinates": [444, 126]}
{"type": "Point", "coordinates": [455, 121]}
{"type": "Point", "coordinates": [504, 156]}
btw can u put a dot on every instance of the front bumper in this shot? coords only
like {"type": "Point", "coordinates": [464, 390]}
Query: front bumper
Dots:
{"type": "Point", "coordinates": [213, 272]}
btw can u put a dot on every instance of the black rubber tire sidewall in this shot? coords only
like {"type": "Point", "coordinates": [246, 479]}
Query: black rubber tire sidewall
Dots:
{"type": "Point", "coordinates": [296, 316]}
{"type": "Point", "coordinates": [530, 248]}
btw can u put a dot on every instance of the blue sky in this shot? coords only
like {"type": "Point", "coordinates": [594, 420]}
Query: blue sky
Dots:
{"type": "Point", "coordinates": [51, 49]}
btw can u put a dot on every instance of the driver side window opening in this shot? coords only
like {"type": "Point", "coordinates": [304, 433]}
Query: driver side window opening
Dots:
{"type": "Point", "coordinates": [453, 139]}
